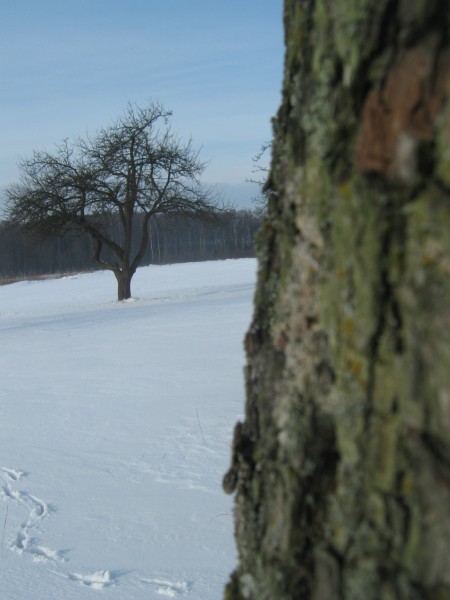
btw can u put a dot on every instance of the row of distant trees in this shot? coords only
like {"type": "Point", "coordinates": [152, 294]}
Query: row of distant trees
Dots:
{"type": "Point", "coordinates": [171, 239]}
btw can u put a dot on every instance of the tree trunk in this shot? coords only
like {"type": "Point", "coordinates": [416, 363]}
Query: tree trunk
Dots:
{"type": "Point", "coordinates": [123, 284]}
{"type": "Point", "coordinates": [342, 466]}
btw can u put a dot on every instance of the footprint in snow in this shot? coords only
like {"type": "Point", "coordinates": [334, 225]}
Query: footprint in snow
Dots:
{"type": "Point", "coordinates": [13, 474]}
{"type": "Point", "coordinates": [171, 589]}
{"type": "Point", "coordinates": [36, 509]}
{"type": "Point", "coordinates": [96, 581]}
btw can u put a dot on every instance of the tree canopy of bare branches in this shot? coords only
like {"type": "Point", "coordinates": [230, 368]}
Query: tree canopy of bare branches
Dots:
{"type": "Point", "coordinates": [134, 166]}
{"type": "Point", "coordinates": [261, 178]}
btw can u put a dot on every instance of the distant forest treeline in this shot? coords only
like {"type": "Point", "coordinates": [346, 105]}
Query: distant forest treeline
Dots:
{"type": "Point", "coordinates": [172, 239]}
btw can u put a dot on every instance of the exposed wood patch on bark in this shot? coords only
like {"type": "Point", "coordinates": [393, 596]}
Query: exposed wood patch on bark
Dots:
{"type": "Point", "coordinates": [402, 114]}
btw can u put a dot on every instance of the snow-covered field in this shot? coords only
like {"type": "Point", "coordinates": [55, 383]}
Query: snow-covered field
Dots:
{"type": "Point", "coordinates": [115, 428]}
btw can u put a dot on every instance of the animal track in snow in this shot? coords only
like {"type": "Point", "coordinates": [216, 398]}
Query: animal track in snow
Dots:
{"type": "Point", "coordinates": [37, 510]}
{"type": "Point", "coordinates": [12, 474]}
{"type": "Point", "coordinates": [171, 589]}
{"type": "Point", "coordinates": [97, 580]}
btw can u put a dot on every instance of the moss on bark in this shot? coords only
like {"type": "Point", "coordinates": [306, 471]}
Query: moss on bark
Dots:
{"type": "Point", "coordinates": [342, 465]}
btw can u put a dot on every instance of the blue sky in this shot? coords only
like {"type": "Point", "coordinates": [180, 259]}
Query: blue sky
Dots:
{"type": "Point", "coordinates": [68, 67]}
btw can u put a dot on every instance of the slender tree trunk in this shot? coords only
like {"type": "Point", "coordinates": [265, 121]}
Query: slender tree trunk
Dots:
{"type": "Point", "coordinates": [342, 466]}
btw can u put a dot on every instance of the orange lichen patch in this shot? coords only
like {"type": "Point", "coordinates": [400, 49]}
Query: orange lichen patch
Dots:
{"type": "Point", "coordinates": [355, 367]}
{"type": "Point", "coordinates": [356, 372]}
{"type": "Point", "coordinates": [347, 328]}
{"type": "Point", "coordinates": [402, 113]}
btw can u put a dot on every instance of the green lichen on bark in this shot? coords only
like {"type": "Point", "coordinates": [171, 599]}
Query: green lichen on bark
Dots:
{"type": "Point", "coordinates": [342, 465]}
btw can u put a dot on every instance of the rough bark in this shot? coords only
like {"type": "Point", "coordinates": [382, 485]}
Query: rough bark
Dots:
{"type": "Point", "coordinates": [342, 465]}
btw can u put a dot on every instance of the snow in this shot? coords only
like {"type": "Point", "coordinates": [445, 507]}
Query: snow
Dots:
{"type": "Point", "coordinates": [115, 427]}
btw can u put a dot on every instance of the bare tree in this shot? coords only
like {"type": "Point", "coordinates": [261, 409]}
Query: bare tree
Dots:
{"type": "Point", "coordinates": [135, 166]}
{"type": "Point", "coordinates": [260, 178]}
